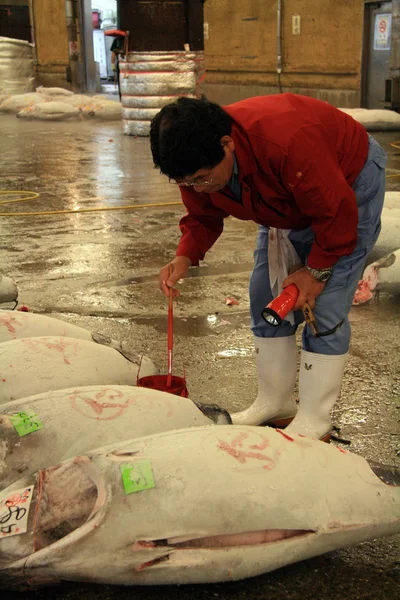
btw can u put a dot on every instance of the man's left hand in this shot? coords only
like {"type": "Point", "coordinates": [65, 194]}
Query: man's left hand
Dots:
{"type": "Point", "coordinates": [309, 287]}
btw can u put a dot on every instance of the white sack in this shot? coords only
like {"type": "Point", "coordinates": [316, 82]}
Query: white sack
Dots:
{"type": "Point", "coordinates": [17, 75]}
{"type": "Point", "coordinates": [49, 111]}
{"type": "Point", "coordinates": [54, 91]}
{"type": "Point", "coordinates": [375, 119]}
{"type": "Point", "coordinates": [14, 104]}
{"type": "Point", "coordinates": [105, 110]}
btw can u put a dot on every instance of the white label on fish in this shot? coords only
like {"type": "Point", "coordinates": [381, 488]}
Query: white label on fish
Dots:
{"type": "Point", "coordinates": [14, 511]}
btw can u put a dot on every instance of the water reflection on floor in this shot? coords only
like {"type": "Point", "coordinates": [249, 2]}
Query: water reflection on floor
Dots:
{"type": "Point", "coordinates": [100, 271]}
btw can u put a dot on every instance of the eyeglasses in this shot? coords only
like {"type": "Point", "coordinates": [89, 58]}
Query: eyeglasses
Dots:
{"type": "Point", "coordinates": [193, 183]}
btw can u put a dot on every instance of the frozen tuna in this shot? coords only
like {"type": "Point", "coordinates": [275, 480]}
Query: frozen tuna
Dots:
{"type": "Point", "coordinates": [382, 275]}
{"type": "Point", "coordinates": [16, 325]}
{"type": "Point", "coordinates": [198, 505]}
{"type": "Point", "coordinates": [39, 364]}
{"type": "Point", "coordinates": [48, 428]}
{"type": "Point", "coordinates": [8, 289]}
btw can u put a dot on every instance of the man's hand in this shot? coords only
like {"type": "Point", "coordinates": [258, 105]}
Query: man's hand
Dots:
{"type": "Point", "coordinates": [309, 287]}
{"type": "Point", "coordinates": [172, 272]}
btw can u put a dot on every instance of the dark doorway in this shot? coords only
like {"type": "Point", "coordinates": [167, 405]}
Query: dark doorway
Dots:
{"type": "Point", "coordinates": [15, 22]}
{"type": "Point", "coordinates": [162, 25]}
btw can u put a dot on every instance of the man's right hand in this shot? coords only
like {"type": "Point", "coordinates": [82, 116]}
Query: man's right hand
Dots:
{"type": "Point", "coordinates": [172, 272]}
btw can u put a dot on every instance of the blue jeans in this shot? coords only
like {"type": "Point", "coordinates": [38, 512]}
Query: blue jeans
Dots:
{"type": "Point", "coordinates": [333, 305]}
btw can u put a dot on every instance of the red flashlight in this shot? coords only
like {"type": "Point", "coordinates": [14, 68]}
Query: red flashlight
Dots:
{"type": "Point", "coordinates": [275, 312]}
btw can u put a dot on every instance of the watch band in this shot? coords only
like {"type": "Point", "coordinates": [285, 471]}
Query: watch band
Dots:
{"type": "Point", "coordinates": [321, 275]}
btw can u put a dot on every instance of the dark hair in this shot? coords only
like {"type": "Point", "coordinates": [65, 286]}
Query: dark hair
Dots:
{"type": "Point", "coordinates": [185, 136]}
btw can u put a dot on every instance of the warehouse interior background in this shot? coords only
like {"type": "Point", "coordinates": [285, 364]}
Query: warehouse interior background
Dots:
{"type": "Point", "coordinates": [344, 52]}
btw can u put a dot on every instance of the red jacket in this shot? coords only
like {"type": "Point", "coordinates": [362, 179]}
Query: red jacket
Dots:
{"type": "Point", "coordinates": [297, 159]}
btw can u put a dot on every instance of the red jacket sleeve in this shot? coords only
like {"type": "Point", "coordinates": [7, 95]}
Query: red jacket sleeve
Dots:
{"type": "Point", "coordinates": [201, 227]}
{"type": "Point", "coordinates": [313, 175]}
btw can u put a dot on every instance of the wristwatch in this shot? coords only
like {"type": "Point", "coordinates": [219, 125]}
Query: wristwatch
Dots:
{"type": "Point", "coordinates": [321, 275]}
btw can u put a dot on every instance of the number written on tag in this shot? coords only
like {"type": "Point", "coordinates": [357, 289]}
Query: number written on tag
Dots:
{"type": "Point", "coordinates": [14, 511]}
{"type": "Point", "coordinates": [26, 422]}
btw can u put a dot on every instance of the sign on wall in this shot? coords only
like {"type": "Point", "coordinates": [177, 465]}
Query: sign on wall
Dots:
{"type": "Point", "coordinates": [382, 31]}
{"type": "Point", "coordinates": [99, 49]}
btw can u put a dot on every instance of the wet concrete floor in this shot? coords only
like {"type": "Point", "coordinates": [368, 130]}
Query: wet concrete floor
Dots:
{"type": "Point", "coordinates": [99, 270]}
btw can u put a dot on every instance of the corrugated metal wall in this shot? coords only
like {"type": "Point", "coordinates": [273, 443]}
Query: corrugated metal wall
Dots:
{"type": "Point", "coordinates": [50, 25]}
{"type": "Point", "coordinates": [321, 58]}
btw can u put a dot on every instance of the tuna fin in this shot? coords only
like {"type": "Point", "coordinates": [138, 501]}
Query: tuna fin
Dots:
{"type": "Point", "coordinates": [219, 415]}
{"type": "Point", "coordinates": [388, 474]}
{"type": "Point", "coordinates": [385, 261]}
{"type": "Point", "coordinates": [152, 563]}
{"type": "Point", "coordinates": [104, 340]}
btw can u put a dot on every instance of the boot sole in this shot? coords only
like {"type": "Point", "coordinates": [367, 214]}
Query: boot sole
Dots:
{"type": "Point", "coordinates": [278, 423]}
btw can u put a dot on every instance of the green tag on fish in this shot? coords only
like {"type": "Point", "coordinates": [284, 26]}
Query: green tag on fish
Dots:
{"type": "Point", "coordinates": [26, 422]}
{"type": "Point", "coordinates": [137, 476]}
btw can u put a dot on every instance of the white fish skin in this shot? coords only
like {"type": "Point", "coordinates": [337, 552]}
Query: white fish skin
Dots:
{"type": "Point", "coordinates": [392, 200]}
{"type": "Point", "coordinates": [388, 273]}
{"type": "Point", "coordinates": [389, 236]}
{"type": "Point", "coordinates": [76, 420]}
{"type": "Point", "coordinates": [16, 325]}
{"type": "Point", "coordinates": [242, 486]}
{"type": "Point", "coordinates": [40, 364]}
{"type": "Point", "coordinates": [388, 239]}
{"type": "Point", "coordinates": [8, 289]}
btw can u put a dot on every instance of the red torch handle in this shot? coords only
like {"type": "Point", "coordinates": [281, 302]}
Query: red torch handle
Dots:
{"type": "Point", "coordinates": [286, 300]}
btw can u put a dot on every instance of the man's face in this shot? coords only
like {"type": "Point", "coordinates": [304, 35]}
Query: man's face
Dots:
{"type": "Point", "coordinates": [213, 180]}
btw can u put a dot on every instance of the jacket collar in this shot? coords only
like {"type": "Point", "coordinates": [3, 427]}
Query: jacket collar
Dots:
{"type": "Point", "coordinates": [243, 151]}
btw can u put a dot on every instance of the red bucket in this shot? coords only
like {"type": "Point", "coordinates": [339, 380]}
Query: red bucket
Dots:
{"type": "Point", "coordinates": [160, 382]}
{"type": "Point", "coordinates": [166, 383]}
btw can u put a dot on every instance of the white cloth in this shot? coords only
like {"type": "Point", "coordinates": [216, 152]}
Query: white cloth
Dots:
{"type": "Point", "coordinates": [281, 258]}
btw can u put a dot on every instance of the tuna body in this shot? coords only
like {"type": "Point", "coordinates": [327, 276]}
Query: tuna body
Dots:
{"type": "Point", "coordinates": [198, 505]}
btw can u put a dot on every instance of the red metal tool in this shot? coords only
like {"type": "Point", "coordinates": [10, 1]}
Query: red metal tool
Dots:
{"type": "Point", "coordinates": [170, 337]}
{"type": "Point", "coordinates": [167, 383]}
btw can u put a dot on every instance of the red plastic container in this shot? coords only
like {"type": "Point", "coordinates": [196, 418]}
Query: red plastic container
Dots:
{"type": "Point", "coordinates": [166, 383]}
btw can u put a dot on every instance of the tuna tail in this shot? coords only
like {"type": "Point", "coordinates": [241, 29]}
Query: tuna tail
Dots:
{"type": "Point", "coordinates": [219, 415]}
{"type": "Point", "coordinates": [388, 474]}
{"type": "Point", "coordinates": [386, 261]}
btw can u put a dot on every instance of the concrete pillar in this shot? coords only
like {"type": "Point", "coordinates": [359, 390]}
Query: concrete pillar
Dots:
{"type": "Point", "coordinates": [395, 43]}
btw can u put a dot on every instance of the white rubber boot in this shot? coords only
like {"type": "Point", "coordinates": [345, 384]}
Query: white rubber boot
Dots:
{"type": "Point", "coordinates": [277, 368]}
{"type": "Point", "coordinates": [320, 380]}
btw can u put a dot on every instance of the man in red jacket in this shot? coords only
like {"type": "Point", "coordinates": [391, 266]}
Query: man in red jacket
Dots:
{"type": "Point", "coordinates": [314, 181]}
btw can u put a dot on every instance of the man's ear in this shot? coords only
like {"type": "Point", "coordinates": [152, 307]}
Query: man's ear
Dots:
{"type": "Point", "coordinates": [227, 141]}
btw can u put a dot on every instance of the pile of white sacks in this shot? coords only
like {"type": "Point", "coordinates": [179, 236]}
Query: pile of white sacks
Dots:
{"type": "Point", "coordinates": [375, 119]}
{"type": "Point", "coordinates": [57, 104]}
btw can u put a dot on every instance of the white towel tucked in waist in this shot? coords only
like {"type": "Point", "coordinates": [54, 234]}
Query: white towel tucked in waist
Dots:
{"type": "Point", "coordinates": [281, 258]}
